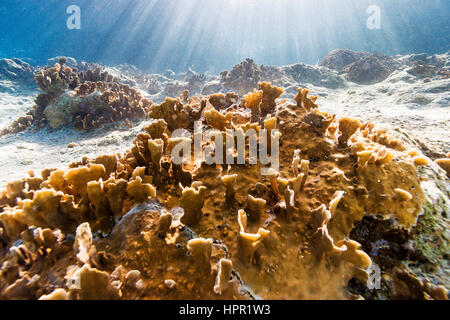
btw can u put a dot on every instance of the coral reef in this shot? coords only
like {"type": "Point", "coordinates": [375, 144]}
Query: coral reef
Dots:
{"type": "Point", "coordinates": [129, 74]}
{"type": "Point", "coordinates": [426, 67]}
{"type": "Point", "coordinates": [425, 71]}
{"type": "Point", "coordinates": [139, 226]}
{"type": "Point", "coordinates": [195, 81]}
{"type": "Point", "coordinates": [85, 99]}
{"type": "Point", "coordinates": [242, 78]}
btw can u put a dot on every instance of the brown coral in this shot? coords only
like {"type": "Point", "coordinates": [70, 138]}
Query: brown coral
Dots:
{"type": "Point", "coordinates": [85, 100]}
{"type": "Point", "coordinates": [135, 242]}
{"type": "Point", "coordinates": [262, 101]}
{"type": "Point", "coordinates": [192, 201]}
{"type": "Point", "coordinates": [172, 112]}
{"type": "Point", "coordinates": [200, 250]}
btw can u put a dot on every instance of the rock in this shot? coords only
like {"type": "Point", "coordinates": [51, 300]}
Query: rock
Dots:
{"type": "Point", "coordinates": [340, 58]}
{"type": "Point", "coordinates": [242, 78]}
{"type": "Point", "coordinates": [62, 111]}
{"type": "Point", "coordinates": [367, 70]}
{"type": "Point", "coordinates": [422, 70]}
{"type": "Point", "coordinates": [361, 67]}
{"type": "Point", "coordinates": [321, 77]}
{"type": "Point", "coordinates": [211, 87]}
{"type": "Point", "coordinates": [17, 70]}
{"type": "Point", "coordinates": [169, 74]}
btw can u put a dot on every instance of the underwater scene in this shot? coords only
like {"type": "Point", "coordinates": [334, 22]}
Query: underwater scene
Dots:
{"type": "Point", "coordinates": [224, 150]}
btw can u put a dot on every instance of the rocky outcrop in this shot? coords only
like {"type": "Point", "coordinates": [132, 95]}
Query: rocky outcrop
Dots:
{"type": "Point", "coordinates": [19, 72]}
{"type": "Point", "coordinates": [242, 78]}
{"type": "Point", "coordinates": [360, 67]}
{"type": "Point", "coordinates": [340, 58]}
{"type": "Point", "coordinates": [367, 70]}
{"type": "Point", "coordinates": [306, 74]}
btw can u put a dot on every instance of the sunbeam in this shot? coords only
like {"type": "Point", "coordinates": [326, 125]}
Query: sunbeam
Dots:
{"type": "Point", "coordinates": [213, 35]}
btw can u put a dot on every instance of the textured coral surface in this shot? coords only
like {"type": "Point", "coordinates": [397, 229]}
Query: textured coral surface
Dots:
{"type": "Point", "coordinates": [139, 226]}
{"type": "Point", "coordinates": [85, 99]}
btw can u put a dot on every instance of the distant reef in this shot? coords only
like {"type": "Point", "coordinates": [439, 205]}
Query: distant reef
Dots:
{"type": "Point", "coordinates": [89, 95]}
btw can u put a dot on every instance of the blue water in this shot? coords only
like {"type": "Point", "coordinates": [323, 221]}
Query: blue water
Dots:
{"type": "Point", "coordinates": [213, 35]}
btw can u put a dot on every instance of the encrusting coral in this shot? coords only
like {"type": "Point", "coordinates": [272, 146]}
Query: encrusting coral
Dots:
{"type": "Point", "coordinates": [139, 226]}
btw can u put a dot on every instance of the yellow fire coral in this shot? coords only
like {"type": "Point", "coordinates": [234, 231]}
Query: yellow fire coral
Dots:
{"type": "Point", "coordinates": [223, 275]}
{"type": "Point", "coordinates": [347, 127]}
{"type": "Point", "coordinates": [444, 164]}
{"type": "Point", "coordinates": [217, 120]}
{"type": "Point", "coordinates": [192, 201]}
{"type": "Point", "coordinates": [140, 191]}
{"type": "Point", "coordinates": [262, 101]}
{"type": "Point", "coordinates": [200, 250]}
{"type": "Point", "coordinates": [83, 243]}
{"type": "Point", "coordinates": [165, 221]}
{"type": "Point", "coordinates": [78, 178]}
{"type": "Point", "coordinates": [300, 238]}
{"type": "Point", "coordinates": [230, 183]}
{"type": "Point", "coordinates": [255, 207]}
{"type": "Point", "coordinates": [248, 242]}
{"type": "Point", "coordinates": [305, 102]}
{"type": "Point", "coordinates": [172, 112]}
